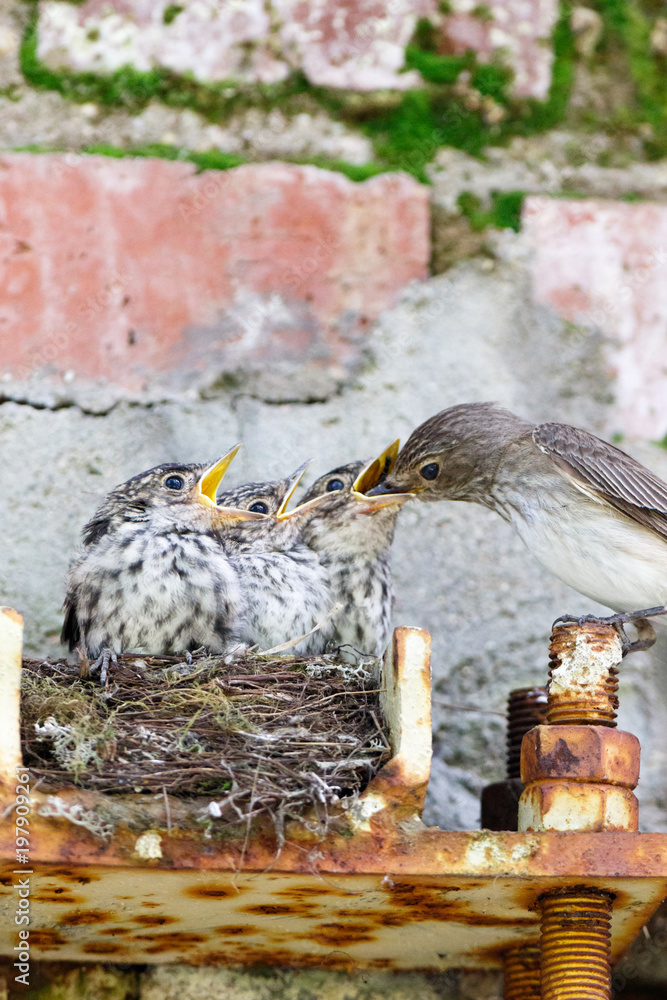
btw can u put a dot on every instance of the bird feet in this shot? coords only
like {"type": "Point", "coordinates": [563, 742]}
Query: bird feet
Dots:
{"type": "Point", "coordinates": [106, 657]}
{"type": "Point", "coordinates": [645, 631]}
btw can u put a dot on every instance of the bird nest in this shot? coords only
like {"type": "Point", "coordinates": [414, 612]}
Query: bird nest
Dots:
{"type": "Point", "coordinates": [260, 735]}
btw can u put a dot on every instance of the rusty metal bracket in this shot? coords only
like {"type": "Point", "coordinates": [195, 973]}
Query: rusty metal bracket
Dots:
{"type": "Point", "coordinates": [115, 878]}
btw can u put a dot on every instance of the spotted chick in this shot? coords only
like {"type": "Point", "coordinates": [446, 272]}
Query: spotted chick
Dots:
{"type": "Point", "coordinates": [351, 533]}
{"type": "Point", "coordinates": [152, 576]}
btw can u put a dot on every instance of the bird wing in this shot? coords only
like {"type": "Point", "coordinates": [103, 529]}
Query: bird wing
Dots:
{"type": "Point", "coordinates": [70, 632]}
{"type": "Point", "coordinates": [607, 473]}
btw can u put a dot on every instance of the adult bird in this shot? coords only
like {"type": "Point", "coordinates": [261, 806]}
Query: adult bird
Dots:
{"type": "Point", "coordinates": [152, 576]}
{"type": "Point", "coordinates": [592, 515]}
{"type": "Point", "coordinates": [286, 594]}
{"type": "Point", "coordinates": [352, 534]}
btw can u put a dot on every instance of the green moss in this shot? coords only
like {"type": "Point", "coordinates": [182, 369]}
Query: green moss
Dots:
{"type": "Point", "coordinates": [210, 160]}
{"type": "Point", "coordinates": [171, 13]}
{"type": "Point", "coordinates": [627, 32]}
{"type": "Point", "coordinates": [406, 129]}
{"type": "Point", "coordinates": [505, 211]}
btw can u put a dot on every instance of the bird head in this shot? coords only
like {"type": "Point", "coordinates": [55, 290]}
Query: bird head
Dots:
{"type": "Point", "coordinates": [453, 455]}
{"type": "Point", "coordinates": [183, 495]}
{"type": "Point", "coordinates": [342, 520]}
{"type": "Point", "coordinates": [269, 498]}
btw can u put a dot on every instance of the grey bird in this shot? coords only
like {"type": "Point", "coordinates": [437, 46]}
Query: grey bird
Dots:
{"type": "Point", "coordinates": [592, 515]}
{"type": "Point", "coordinates": [286, 594]}
{"type": "Point", "coordinates": [152, 576]}
{"type": "Point", "coordinates": [352, 534]}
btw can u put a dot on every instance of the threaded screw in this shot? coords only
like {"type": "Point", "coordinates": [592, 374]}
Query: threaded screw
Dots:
{"type": "Point", "coordinates": [521, 975]}
{"type": "Point", "coordinates": [583, 679]}
{"type": "Point", "coordinates": [576, 944]}
{"type": "Point", "coordinates": [526, 707]}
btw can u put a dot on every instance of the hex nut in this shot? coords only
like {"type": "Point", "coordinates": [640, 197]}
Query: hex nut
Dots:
{"type": "Point", "coordinates": [580, 753]}
{"type": "Point", "coordinates": [570, 805]}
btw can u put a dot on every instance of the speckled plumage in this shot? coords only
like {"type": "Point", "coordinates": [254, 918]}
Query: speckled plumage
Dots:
{"type": "Point", "coordinates": [152, 576]}
{"type": "Point", "coordinates": [352, 542]}
{"type": "Point", "coordinates": [285, 589]}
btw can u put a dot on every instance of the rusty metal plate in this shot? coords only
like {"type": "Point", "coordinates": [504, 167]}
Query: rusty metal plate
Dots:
{"type": "Point", "coordinates": [117, 878]}
{"type": "Point", "coordinates": [390, 918]}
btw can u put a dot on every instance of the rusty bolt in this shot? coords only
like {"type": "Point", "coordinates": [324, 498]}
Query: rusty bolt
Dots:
{"type": "Point", "coordinates": [526, 707]}
{"type": "Point", "coordinates": [579, 770]}
{"type": "Point", "coordinates": [575, 944]}
{"type": "Point", "coordinates": [582, 674]}
{"type": "Point", "coordinates": [521, 973]}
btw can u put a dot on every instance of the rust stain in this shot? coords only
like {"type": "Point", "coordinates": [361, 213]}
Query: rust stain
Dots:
{"type": "Point", "coordinates": [213, 891]}
{"type": "Point", "coordinates": [234, 930]}
{"type": "Point", "coordinates": [115, 931]}
{"type": "Point", "coordinates": [277, 909]}
{"type": "Point", "coordinates": [102, 948]}
{"type": "Point", "coordinates": [44, 938]}
{"type": "Point", "coordinates": [339, 934]}
{"type": "Point", "coordinates": [57, 895]}
{"type": "Point", "coordinates": [81, 917]}
{"type": "Point", "coordinates": [146, 920]}
{"type": "Point", "coordinates": [81, 875]}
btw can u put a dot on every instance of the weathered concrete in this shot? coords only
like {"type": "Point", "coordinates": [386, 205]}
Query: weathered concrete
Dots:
{"type": "Point", "coordinates": [180, 983]}
{"type": "Point", "coordinates": [461, 572]}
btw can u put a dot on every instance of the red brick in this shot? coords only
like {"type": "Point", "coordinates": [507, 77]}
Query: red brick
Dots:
{"type": "Point", "coordinates": [520, 29]}
{"type": "Point", "coordinates": [143, 271]}
{"type": "Point", "coordinates": [355, 44]}
{"type": "Point", "coordinates": [603, 264]}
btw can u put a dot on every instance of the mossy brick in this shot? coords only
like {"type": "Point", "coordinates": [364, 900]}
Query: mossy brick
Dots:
{"type": "Point", "coordinates": [356, 44]}
{"type": "Point", "coordinates": [519, 30]}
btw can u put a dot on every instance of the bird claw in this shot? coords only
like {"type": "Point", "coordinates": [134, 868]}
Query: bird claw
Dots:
{"type": "Point", "coordinates": [639, 619]}
{"type": "Point", "coordinates": [106, 656]}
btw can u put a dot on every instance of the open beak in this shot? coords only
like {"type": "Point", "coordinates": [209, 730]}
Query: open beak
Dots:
{"type": "Point", "coordinates": [367, 487]}
{"type": "Point", "coordinates": [304, 508]}
{"type": "Point", "coordinates": [285, 515]}
{"type": "Point", "coordinates": [292, 484]}
{"type": "Point", "coordinates": [209, 484]}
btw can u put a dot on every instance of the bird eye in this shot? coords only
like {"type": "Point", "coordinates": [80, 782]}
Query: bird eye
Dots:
{"type": "Point", "coordinates": [174, 482]}
{"type": "Point", "coordinates": [335, 484]}
{"type": "Point", "coordinates": [429, 471]}
{"type": "Point", "coordinates": [259, 508]}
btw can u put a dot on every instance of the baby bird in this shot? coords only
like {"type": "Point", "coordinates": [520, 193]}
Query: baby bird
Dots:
{"type": "Point", "coordinates": [152, 576]}
{"type": "Point", "coordinates": [285, 588]}
{"type": "Point", "coordinates": [352, 534]}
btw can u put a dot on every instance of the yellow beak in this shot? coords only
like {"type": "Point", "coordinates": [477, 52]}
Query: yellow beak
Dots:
{"type": "Point", "coordinates": [209, 484]}
{"type": "Point", "coordinates": [293, 482]}
{"type": "Point", "coordinates": [371, 475]}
